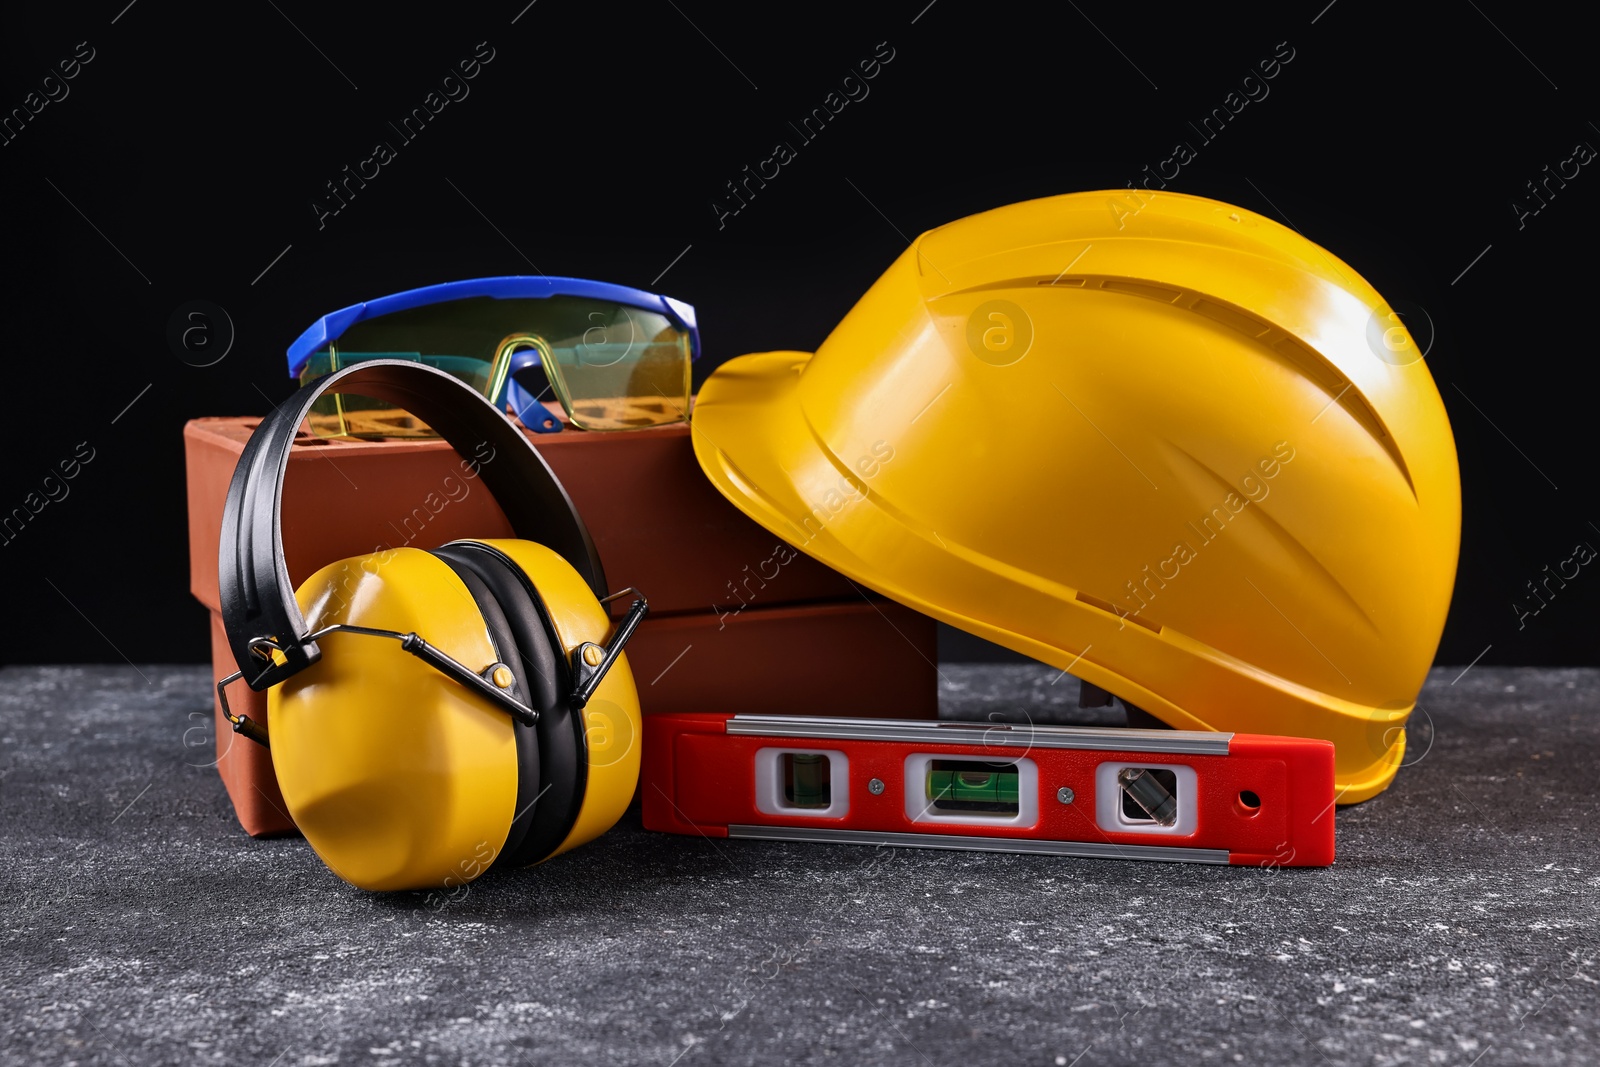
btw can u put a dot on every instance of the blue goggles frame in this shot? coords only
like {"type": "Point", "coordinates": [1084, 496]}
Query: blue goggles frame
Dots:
{"type": "Point", "coordinates": [534, 415]}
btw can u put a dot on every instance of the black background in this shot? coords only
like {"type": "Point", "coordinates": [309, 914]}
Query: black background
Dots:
{"type": "Point", "coordinates": [190, 150]}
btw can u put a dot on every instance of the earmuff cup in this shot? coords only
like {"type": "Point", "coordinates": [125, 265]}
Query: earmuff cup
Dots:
{"type": "Point", "coordinates": [551, 754]}
{"type": "Point", "coordinates": [402, 777]}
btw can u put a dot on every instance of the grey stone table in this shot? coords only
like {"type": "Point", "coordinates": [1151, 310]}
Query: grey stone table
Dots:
{"type": "Point", "coordinates": [141, 925]}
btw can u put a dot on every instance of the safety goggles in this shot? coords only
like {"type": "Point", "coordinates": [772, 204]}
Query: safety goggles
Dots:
{"type": "Point", "coordinates": [615, 358]}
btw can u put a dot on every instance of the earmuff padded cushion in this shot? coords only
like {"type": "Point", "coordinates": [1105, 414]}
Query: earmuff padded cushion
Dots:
{"type": "Point", "coordinates": [563, 757]}
{"type": "Point", "coordinates": [527, 739]}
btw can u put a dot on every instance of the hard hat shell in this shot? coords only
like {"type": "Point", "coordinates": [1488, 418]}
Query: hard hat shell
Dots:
{"type": "Point", "coordinates": [1155, 440]}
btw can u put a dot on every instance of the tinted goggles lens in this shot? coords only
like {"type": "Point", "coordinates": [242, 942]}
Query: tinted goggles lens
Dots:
{"type": "Point", "coordinates": [610, 365]}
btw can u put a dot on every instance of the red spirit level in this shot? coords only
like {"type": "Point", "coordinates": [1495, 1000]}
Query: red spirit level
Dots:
{"type": "Point", "coordinates": [1055, 790]}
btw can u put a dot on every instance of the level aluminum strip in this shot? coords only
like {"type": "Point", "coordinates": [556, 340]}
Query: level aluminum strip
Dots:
{"type": "Point", "coordinates": [988, 734]}
{"type": "Point", "coordinates": [1094, 850]}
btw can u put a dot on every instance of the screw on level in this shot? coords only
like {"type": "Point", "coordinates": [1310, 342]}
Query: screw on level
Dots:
{"type": "Point", "coordinates": [1064, 795]}
{"type": "Point", "coordinates": [875, 787]}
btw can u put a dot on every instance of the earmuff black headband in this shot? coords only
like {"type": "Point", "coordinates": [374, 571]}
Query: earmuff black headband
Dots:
{"type": "Point", "coordinates": [253, 579]}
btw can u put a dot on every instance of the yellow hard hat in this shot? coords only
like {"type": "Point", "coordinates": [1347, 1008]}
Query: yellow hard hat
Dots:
{"type": "Point", "coordinates": [1155, 440]}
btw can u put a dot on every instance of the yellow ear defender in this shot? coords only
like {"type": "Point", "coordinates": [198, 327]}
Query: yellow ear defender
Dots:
{"type": "Point", "coordinates": [508, 735]}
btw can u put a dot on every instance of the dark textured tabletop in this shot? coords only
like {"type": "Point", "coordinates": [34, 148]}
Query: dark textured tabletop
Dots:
{"type": "Point", "coordinates": [141, 925]}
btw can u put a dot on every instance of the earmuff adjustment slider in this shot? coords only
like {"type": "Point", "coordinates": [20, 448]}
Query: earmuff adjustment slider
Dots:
{"type": "Point", "coordinates": [466, 676]}
{"type": "Point", "coordinates": [413, 643]}
{"type": "Point", "coordinates": [242, 724]}
{"type": "Point", "coordinates": [591, 661]}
